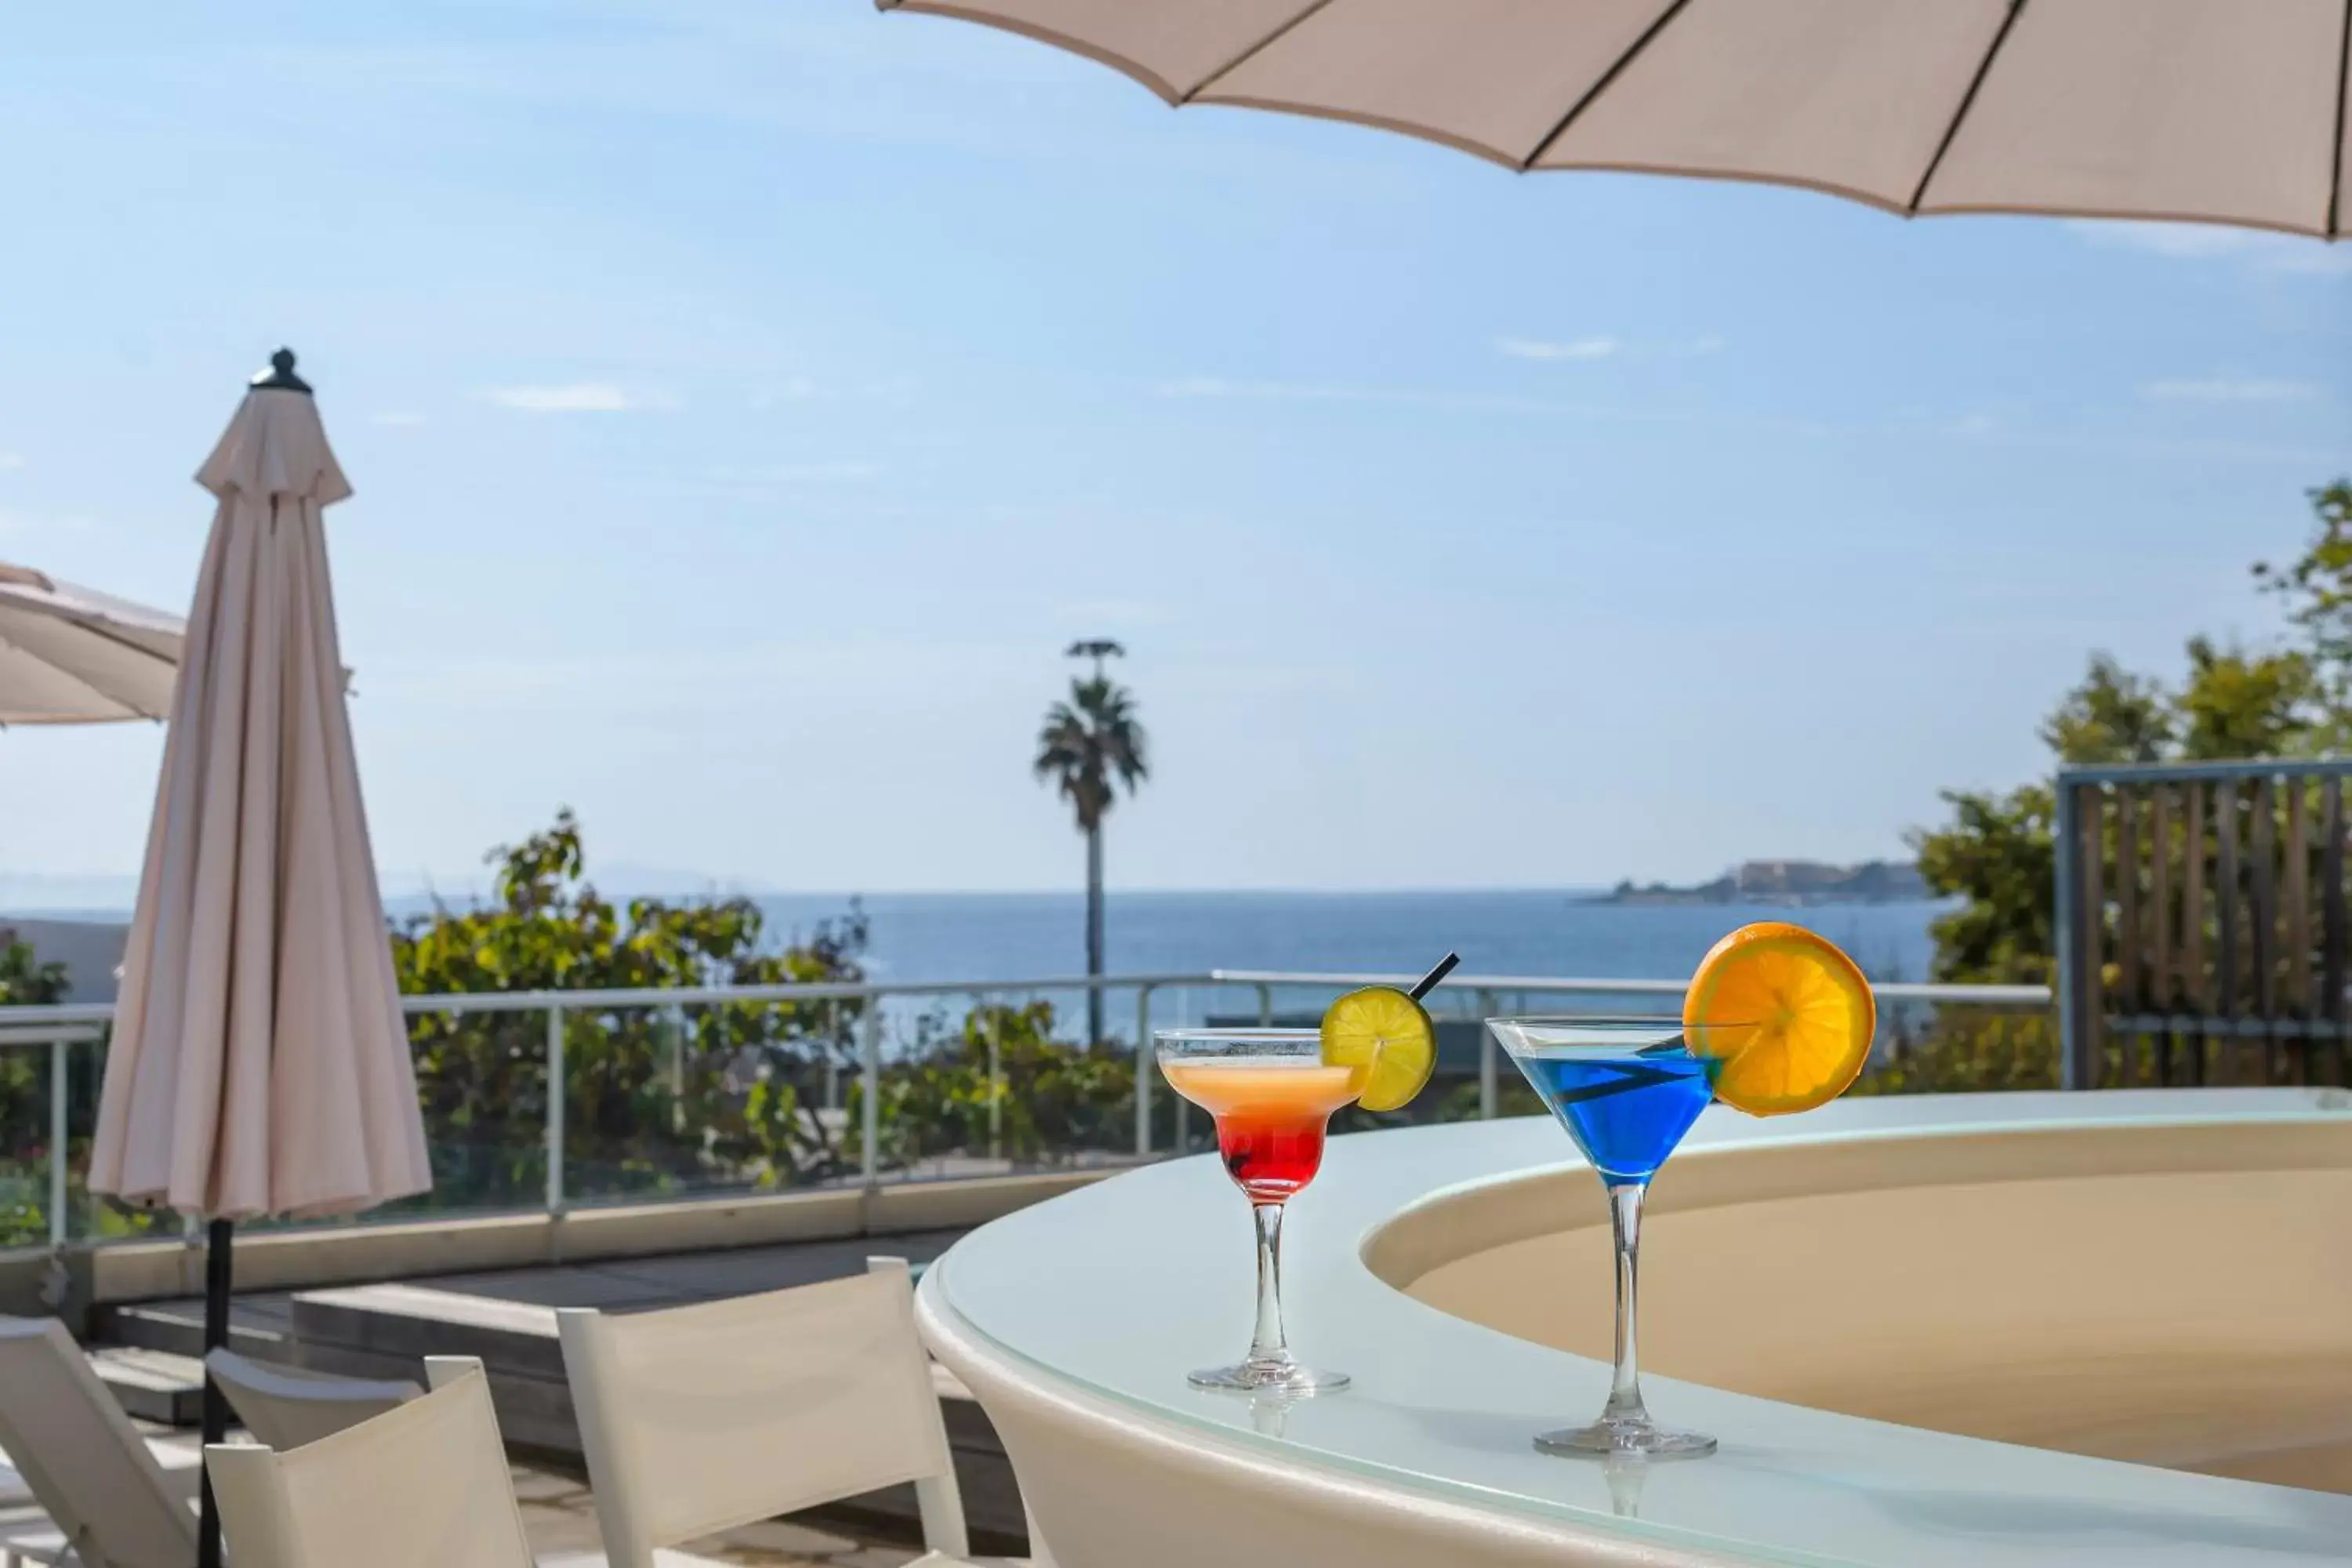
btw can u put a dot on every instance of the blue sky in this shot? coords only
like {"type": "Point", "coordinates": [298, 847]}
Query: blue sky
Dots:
{"type": "Point", "coordinates": [748, 402]}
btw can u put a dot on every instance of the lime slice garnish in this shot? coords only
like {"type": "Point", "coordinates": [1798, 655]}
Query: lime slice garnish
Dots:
{"type": "Point", "coordinates": [1386, 1038]}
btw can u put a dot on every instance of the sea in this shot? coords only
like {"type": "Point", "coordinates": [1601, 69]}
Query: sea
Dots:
{"type": "Point", "coordinates": [1000, 939]}
{"type": "Point", "coordinates": [1009, 937]}
{"type": "Point", "coordinates": [996, 938]}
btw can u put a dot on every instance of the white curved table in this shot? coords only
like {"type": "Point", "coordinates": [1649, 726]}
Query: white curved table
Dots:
{"type": "Point", "coordinates": [1074, 1322]}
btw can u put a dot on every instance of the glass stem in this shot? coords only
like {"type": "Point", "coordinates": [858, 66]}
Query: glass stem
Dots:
{"type": "Point", "coordinates": [1625, 1221]}
{"type": "Point", "coordinates": [1267, 1345]}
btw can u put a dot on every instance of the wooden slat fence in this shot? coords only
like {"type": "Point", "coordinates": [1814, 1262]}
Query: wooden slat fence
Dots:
{"type": "Point", "coordinates": [2201, 925]}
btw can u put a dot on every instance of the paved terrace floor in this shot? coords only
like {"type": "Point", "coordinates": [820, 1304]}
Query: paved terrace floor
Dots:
{"type": "Point", "coordinates": [614, 1285]}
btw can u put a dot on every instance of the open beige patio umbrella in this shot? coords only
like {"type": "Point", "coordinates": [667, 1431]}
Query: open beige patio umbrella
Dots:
{"type": "Point", "coordinates": [258, 1064]}
{"type": "Point", "coordinates": [2214, 111]}
{"type": "Point", "coordinates": [70, 654]}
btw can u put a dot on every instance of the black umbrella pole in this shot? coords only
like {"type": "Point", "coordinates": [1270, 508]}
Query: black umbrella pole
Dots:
{"type": "Point", "coordinates": [218, 1241]}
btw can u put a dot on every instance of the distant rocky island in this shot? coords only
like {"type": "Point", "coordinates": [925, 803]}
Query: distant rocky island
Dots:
{"type": "Point", "coordinates": [1787, 882]}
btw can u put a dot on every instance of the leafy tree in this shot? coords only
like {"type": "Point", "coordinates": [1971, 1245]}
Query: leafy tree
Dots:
{"type": "Point", "coordinates": [2113, 716]}
{"type": "Point", "coordinates": [654, 1098]}
{"type": "Point", "coordinates": [1050, 1099]}
{"type": "Point", "coordinates": [25, 980]}
{"type": "Point", "coordinates": [1995, 851]}
{"type": "Point", "coordinates": [2317, 587]}
{"type": "Point", "coordinates": [2241, 704]}
{"type": "Point", "coordinates": [1971, 1055]}
{"type": "Point", "coordinates": [1998, 855]}
{"type": "Point", "coordinates": [1088, 746]}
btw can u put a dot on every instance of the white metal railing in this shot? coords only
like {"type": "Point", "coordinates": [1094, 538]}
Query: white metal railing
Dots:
{"type": "Point", "coordinates": [62, 1028]}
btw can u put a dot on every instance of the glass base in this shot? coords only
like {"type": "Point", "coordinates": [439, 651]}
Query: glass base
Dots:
{"type": "Point", "coordinates": [1279, 1377]}
{"type": "Point", "coordinates": [1627, 1435]}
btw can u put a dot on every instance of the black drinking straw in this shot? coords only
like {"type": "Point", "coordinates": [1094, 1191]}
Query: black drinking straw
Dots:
{"type": "Point", "coordinates": [1428, 983]}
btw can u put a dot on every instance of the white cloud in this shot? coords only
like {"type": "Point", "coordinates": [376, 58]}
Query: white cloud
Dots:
{"type": "Point", "coordinates": [1113, 611]}
{"type": "Point", "coordinates": [398, 416]}
{"type": "Point", "coordinates": [2265, 251]}
{"type": "Point", "coordinates": [799, 389]}
{"type": "Point", "coordinates": [823, 473]}
{"type": "Point", "coordinates": [1576, 348]}
{"type": "Point", "coordinates": [20, 525]}
{"type": "Point", "coordinates": [797, 473]}
{"type": "Point", "coordinates": [2224, 390]}
{"type": "Point", "coordinates": [1281, 390]}
{"type": "Point", "coordinates": [11, 461]}
{"type": "Point", "coordinates": [897, 391]}
{"type": "Point", "coordinates": [581, 397]}
{"type": "Point", "coordinates": [2190, 239]}
{"type": "Point", "coordinates": [1211, 387]}
{"type": "Point", "coordinates": [2310, 257]}
{"type": "Point", "coordinates": [1598, 348]}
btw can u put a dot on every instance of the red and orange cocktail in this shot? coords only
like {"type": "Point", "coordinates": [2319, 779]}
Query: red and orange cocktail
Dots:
{"type": "Point", "coordinates": [1272, 1093]}
{"type": "Point", "coordinates": [1270, 1117]}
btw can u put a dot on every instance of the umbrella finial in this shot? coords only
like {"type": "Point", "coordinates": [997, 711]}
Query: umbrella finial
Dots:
{"type": "Point", "coordinates": [280, 376]}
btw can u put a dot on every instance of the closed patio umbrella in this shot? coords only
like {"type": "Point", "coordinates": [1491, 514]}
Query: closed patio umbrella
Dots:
{"type": "Point", "coordinates": [258, 1064]}
{"type": "Point", "coordinates": [2216, 111]}
{"type": "Point", "coordinates": [70, 654]}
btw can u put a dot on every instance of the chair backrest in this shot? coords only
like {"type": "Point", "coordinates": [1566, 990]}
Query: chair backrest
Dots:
{"type": "Point", "coordinates": [285, 1410]}
{"type": "Point", "coordinates": [425, 1482]}
{"type": "Point", "coordinates": [701, 1418]}
{"type": "Point", "coordinates": [86, 1464]}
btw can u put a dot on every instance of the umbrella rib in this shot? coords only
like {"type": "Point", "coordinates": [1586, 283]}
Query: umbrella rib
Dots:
{"type": "Point", "coordinates": [1251, 53]}
{"type": "Point", "coordinates": [82, 690]}
{"type": "Point", "coordinates": [1968, 101]}
{"type": "Point", "coordinates": [1657, 26]}
{"type": "Point", "coordinates": [99, 630]}
{"type": "Point", "coordinates": [2343, 107]}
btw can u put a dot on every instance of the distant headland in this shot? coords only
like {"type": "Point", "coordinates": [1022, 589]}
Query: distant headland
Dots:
{"type": "Point", "coordinates": [1787, 882]}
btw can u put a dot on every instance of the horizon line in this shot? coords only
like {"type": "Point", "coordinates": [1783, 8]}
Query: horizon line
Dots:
{"type": "Point", "coordinates": [115, 912]}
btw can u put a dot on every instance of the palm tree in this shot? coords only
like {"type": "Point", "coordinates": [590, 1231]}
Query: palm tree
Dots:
{"type": "Point", "coordinates": [1090, 745]}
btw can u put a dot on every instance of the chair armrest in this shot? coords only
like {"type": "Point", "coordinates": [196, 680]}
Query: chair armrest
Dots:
{"type": "Point", "coordinates": [39, 1542]}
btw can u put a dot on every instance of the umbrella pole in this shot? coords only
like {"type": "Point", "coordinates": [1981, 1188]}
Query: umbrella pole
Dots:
{"type": "Point", "coordinates": [218, 1239]}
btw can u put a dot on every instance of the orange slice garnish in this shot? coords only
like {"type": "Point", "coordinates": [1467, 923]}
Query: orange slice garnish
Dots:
{"type": "Point", "coordinates": [1789, 1014]}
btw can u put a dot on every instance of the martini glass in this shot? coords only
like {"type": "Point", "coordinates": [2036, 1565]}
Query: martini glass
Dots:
{"type": "Point", "coordinates": [1270, 1095]}
{"type": "Point", "coordinates": [1626, 1090]}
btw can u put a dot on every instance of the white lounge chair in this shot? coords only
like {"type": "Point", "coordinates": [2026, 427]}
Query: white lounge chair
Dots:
{"type": "Point", "coordinates": [285, 1409]}
{"type": "Point", "coordinates": [703, 1418]}
{"type": "Point", "coordinates": [182, 1463]}
{"type": "Point", "coordinates": [425, 1483]}
{"type": "Point", "coordinates": [110, 1504]}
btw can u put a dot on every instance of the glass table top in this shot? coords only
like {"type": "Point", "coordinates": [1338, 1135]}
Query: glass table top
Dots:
{"type": "Point", "coordinates": [1118, 1288]}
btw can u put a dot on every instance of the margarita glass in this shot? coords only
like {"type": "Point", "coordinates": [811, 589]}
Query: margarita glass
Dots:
{"type": "Point", "coordinates": [1270, 1094]}
{"type": "Point", "coordinates": [1626, 1090]}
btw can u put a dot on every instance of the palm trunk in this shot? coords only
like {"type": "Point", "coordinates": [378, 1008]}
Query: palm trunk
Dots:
{"type": "Point", "coordinates": [1094, 933]}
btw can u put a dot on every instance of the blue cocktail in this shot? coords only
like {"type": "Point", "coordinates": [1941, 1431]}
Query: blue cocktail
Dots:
{"type": "Point", "coordinates": [1626, 1113]}
{"type": "Point", "coordinates": [1626, 1090]}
